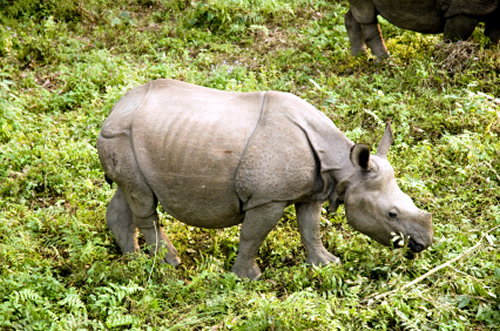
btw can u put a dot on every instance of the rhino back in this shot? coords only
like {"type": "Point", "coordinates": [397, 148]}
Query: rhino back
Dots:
{"type": "Point", "coordinates": [188, 142]}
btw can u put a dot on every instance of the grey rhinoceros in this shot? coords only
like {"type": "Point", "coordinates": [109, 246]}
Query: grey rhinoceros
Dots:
{"type": "Point", "coordinates": [215, 159]}
{"type": "Point", "coordinates": [456, 18]}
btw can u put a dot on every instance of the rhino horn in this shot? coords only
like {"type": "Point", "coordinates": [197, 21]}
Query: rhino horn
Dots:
{"type": "Point", "coordinates": [386, 142]}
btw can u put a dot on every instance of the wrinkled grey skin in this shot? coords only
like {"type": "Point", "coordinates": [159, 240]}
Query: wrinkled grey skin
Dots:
{"type": "Point", "coordinates": [215, 159]}
{"type": "Point", "coordinates": [457, 19]}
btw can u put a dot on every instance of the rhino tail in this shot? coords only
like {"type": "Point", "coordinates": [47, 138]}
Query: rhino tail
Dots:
{"type": "Point", "coordinates": [108, 180]}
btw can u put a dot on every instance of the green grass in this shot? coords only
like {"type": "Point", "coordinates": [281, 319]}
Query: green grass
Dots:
{"type": "Point", "coordinates": [64, 64]}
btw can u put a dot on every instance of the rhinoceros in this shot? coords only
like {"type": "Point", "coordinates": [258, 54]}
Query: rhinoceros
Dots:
{"type": "Point", "coordinates": [216, 159]}
{"type": "Point", "coordinates": [457, 19]}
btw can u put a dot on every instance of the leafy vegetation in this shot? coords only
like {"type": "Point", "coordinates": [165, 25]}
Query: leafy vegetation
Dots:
{"type": "Point", "coordinates": [63, 64]}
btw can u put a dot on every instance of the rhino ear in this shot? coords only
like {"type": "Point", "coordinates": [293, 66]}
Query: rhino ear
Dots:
{"type": "Point", "coordinates": [360, 156]}
{"type": "Point", "coordinates": [386, 142]}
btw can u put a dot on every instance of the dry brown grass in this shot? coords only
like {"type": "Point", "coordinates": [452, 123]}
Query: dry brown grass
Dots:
{"type": "Point", "coordinates": [462, 55]}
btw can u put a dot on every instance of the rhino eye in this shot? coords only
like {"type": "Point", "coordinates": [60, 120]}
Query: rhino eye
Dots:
{"type": "Point", "coordinates": [392, 215]}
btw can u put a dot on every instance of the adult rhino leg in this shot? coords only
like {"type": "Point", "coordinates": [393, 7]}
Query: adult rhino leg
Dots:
{"type": "Point", "coordinates": [372, 37]}
{"type": "Point", "coordinates": [308, 215]}
{"type": "Point", "coordinates": [257, 224]}
{"type": "Point", "coordinates": [365, 14]}
{"type": "Point", "coordinates": [459, 27]}
{"type": "Point", "coordinates": [492, 27]}
{"type": "Point", "coordinates": [119, 220]}
{"type": "Point", "coordinates": [355, 34]}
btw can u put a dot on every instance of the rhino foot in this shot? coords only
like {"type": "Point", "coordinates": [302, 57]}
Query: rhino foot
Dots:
{"type": "Point", "coordinates": [321, 257]}
{"type": "Point", "coordinates": [173, 261]}
{"type": "Point", "coordinates": [253, 272]}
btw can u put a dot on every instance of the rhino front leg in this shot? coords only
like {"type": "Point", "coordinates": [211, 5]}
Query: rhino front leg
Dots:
{"type": "Point", "coordinates": [492, 27]}
{"type": "Point", "coordinates": [308, 215]}
{"type": "Point", "coordinates": [459, 27]}
{"type": "Point", "coordinates": [257, 224]}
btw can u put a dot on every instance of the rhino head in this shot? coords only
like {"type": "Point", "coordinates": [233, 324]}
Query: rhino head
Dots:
{"type": "Point", "coordinates": [376, 206]}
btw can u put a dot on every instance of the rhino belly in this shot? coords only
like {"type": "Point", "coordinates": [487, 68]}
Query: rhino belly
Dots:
{"type": "Point", "coordinates": [421, 16]}
{"type": "Point", "coordinates": [188, 142]}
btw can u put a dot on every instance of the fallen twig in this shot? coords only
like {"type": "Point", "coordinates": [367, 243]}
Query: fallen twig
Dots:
{"type": "Point", "coordinates": [492, 169]}
{"type": "Point", "coordinates": [376, 297]}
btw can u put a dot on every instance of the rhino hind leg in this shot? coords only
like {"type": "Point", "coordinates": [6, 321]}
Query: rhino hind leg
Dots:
{"type": "Point", "coordinates": [143, 203]}
{"type": "Point", "coordinates": [308, 215]}
{"type": "Point", "coordinates": [372, 36]}
{"type": "Point", "coordinates": [134, 204]}
{"type": "Point", "coordinates": [366, 34]}
{"type": "Point", "coordinates": [355, 33]}
{"type": "Point", "coordinates": [258, 222]}
{"type": "Point", "coordinates": [459, 27]}
{"type": "Point", "coordinates": [155, 238]}
{"type": "Point", "coordinates": [123, 223]}
{"type": "Point", "coordinates": [119, 218]}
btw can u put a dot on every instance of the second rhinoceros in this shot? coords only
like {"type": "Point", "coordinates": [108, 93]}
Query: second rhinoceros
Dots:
{"type": "Point", "coordinates": [215, 159]}
{"type": "Point", "coordinates": [457, 19]}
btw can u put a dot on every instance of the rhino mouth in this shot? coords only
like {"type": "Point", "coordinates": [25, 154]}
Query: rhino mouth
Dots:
{"type": "Point", "coordinates": [413, 248]}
